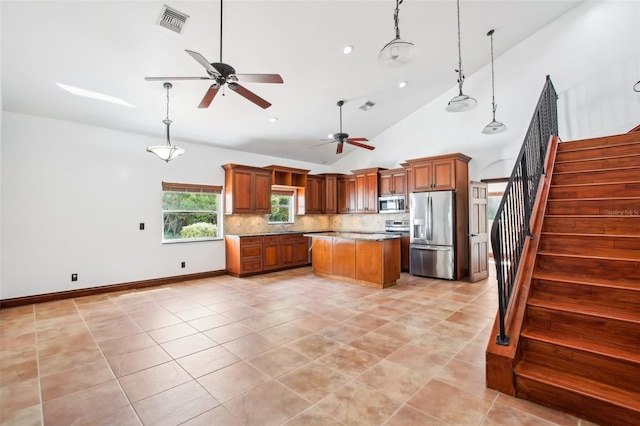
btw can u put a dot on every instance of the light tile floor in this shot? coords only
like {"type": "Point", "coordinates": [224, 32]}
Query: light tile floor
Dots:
{"type": "Point", "coordinates": [282, 348]}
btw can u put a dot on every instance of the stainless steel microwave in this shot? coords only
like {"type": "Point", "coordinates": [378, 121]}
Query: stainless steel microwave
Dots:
{"type": "Point", "coordinates": [392, 204]}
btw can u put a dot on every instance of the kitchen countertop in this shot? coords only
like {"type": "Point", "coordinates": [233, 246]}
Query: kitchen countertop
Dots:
{"type": "Point", "coordinates": [313, 233]}
{"type": "Point", "coordinates": [354, 236]}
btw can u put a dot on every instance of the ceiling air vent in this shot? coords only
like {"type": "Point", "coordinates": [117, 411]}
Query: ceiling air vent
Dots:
{"type": "Point", "coordinates": [172, 19]}
{"type": "Point", "coordinates": [367, 106]}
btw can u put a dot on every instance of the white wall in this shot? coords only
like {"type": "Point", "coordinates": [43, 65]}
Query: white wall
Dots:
{"type": "Point", "coordinates": [592, 54]}
{"type": "Point", "coordinates": [73, 197]}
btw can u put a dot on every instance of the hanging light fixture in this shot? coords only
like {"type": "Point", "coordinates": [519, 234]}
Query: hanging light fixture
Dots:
{"type": "Point", "coordinates": [397, 51]}
{"type": "Point", "coordinates": [166, 152]}
{"type": "Point", "coordinates": [461, 102]}
{"type": "Point", "coordinates": [494, 126]}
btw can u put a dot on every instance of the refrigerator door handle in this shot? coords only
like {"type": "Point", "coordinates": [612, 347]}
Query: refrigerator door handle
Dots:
{"type": "Point", "coordinates": [430, 207]}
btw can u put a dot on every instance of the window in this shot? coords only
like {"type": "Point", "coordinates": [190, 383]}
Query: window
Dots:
{"type": "Point", "coordinates": [282, 206]}
{"type": "Point", "coordinates": [190, 212]}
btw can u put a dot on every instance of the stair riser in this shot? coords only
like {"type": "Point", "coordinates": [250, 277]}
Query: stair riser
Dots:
{"type": "Point", "coordinates": [614, 245]}
{"type": "Point", "coordinates": [597, 142]}
{"type": "Point", "coordinates": [608, 190]}
{"type": "Point", "coordinates": [594, 268]}
{"type": "Point", "coordinates": [593, 207]}
{"type": "Point", "coordinates": [624, 301]}
{"type": "Point", "coordinates": [605, 163]}
{"type": "Point", "coordinates": [605, 369]}
{"type": "Point", "coordinates": [598, 152]}
{"type": "Point", "coordinates": [587, 327]}
{"type": "Point", "coordinates": [597, 176]}
{"type": "Point", "coordinates": [617, 223]}
{"type": "Point", "coordinates": [574, 402]}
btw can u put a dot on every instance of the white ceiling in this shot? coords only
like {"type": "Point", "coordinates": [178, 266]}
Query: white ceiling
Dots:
{"type": "Point", "coordinates": [110, 46]}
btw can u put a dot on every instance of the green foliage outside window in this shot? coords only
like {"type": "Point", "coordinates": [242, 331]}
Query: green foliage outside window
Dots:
{"type": "Point", "coordinates": [190, 215]}
{"type": "Point", "coordinates": [281, 209]}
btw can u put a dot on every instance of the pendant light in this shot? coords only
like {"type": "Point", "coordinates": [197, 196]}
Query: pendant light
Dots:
{"type": "Point", "coordinates": [461, 102]}
{"type": "Point", "coordinates": [397, 51]}
{"type": "Point", "coordinates": [166, 152]}
{"type": "Point", "coordinates": [494, 126]}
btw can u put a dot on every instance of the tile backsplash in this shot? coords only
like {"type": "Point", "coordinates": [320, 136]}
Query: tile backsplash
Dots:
{"type": "Point", "coordinates": [257, 224]}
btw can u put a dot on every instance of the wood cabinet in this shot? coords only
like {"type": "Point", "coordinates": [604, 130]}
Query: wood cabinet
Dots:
{"type": "Point", "coordinates": [330, 193]}
{"type": "Point", "coordinates": [366, 190]}
{"type": "Point", "coordinates": [315, 195]}
{"type": "Point", "coordinates": [250, 255]}
{"type": "Point", "coordinates": [244, 255]}
{"type": "Point", "coordinates": [393, 182]}
{"type": "Point", "coordinates": [288, 176]}
{"type": "Point", "coordinates": [346, 194]}
{"type": "Point", "coordinates": [247, 190]}
{"type": "Point", "coordinates": [437, 173]}
{"type": "Point", "coordinates": [404, 252]}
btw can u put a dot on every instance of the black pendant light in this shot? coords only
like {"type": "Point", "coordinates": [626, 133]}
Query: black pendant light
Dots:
{"type": "Point", "coordinates": [494, 126]}
{"type": "Point", "coordinates": [461, 102]}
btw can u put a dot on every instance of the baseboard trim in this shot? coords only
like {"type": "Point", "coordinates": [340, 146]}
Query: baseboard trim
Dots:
{"type": "Point", "coordinates": [69, 294]}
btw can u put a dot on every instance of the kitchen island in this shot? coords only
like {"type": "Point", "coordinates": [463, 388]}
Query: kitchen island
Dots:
{"type": "Point", "coordinates": [368, 259]}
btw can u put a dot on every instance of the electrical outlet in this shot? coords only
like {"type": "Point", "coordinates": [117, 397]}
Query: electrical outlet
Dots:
{"type": "Point", "coordinates": [183, 264]}
{"type": "Point", "coordinates": [74, 277]}
{"type": "Point", "coordinates": [142, 226]}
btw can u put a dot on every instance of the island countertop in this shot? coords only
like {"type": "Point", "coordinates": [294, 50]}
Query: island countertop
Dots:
{"type": "Point", "coordinates": [354, 236]}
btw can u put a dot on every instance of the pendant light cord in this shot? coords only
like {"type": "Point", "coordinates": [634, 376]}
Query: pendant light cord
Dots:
{"type": "Point", "coordinates": [493, 90]}
{"type": "Point", "coordinates": [396, 18]}
{"type": "Point", "coordinates": [166, 121]}
{"type": "Point", "coordinates": [460, 75]}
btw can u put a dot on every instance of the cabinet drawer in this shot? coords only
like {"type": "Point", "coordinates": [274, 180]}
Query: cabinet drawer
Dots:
{"type": "Point", "coordinates": [251, 251]}
{"type": "Point", "coordinates": [293, 238]}
{"type": "Point", "coordinates": [271, 240]}
{"type": "Point", "coordinates": [250, 240]}
{"type": "Point", "coordinates": [253, 265]}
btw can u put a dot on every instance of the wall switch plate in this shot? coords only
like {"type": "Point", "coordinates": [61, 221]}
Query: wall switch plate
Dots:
{"type": "Point", "coordinates": [142, 226]}
{"type": "Point", "coordinates": [74, 277]}
{"type": "Point", "coordinates": [183, 264]}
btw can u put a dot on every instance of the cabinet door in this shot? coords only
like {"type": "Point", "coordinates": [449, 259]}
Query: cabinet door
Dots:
{"type": "Point", "coordinates": [371, 192]}
{"type": "Point", "coordinates": [399, 183]}
{"type": "Point", "coordinates": [287, 252]}
{"type": "Point", "coordinates": [261, 192]}
{"type": "Point", "coordinates": [314, 195]}
{"type": "Point", "coordinates": [422, 176]}
{"type": "Point", "coordinates": [361, 194]}
{"type": "Point", "coordinates": [347, 195]}
{"type": "Point", "coordinates": [444, 174]}
{"type": "Point", "coordinates": [331, 195]}
{"type": "Point", "coordinates": [351, 195]}
{"type": "Point", "coordinates": [386, 184]}
{"type": "Point", "coordinates": [271, 253]}
{"type": "Point", "coordinates": [301, 251]}
{"type": "Point", "coordinates": [242, 200]}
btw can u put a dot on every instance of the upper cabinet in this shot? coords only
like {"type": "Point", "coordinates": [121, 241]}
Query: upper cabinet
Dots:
{"type": "Point", "coordinates": [366, 190]}
{"type": "Point", "coordinates": [247, 190]}
{"type": "Point", "coordinates": [315, 195]}
{"type": "Point", "coordinates": [444, 172]}
{"type": "Point", "coordinates": [393, 182]}
{"type": "Point", "coordinates": [330, 193]}
{"type": "Point", "coordinates": [288, 176]}
{"type": "Point", "coordinates": [346, 189]}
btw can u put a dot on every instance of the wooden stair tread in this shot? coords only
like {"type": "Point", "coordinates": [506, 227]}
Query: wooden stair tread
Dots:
{"type": "Point", "coordinates": [608, 169]}
{"type": "Point", "coordinates": [581, 385]}
{"type": "Point", "coordinates": [619, 352]}
{"type": "Point", "coordinates": [560, 277]}
{"type": "Point", "coordinates": [612, 157]}
{"type": "Point", "coordinates": [565, 200]}
{"type": "Point", "coordinates": [582, 309]}
{"type": "Point", "coordinates": [589, 256]}
{"type": "Point", "coordinates": [593, 184]}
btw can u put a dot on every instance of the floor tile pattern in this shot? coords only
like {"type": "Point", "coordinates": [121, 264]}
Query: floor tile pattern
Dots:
{"type": "Point", "coordinates": [282, 348]}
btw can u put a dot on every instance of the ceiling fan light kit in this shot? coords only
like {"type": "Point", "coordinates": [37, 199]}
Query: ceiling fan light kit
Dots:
{"type": "Point", "coordinates": [397, 51]}
{"type": "Point", "coordinates": [166, 152]}
{"type": "Point", "coordinates": [495, 126]}
{"type": "Point", "coordinates": [461, 102]}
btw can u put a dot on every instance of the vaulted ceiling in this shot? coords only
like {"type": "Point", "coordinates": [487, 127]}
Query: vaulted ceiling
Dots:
{"type": "Point", "coordinates": [109, 47]}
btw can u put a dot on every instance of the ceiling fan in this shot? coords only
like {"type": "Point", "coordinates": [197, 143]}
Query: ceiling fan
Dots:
{"type": "Point", "coordinates": [222, 74]}
{"type": "Point", "coordinates": [342, 137]}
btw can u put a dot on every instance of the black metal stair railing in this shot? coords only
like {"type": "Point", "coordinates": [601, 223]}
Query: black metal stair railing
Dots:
{"type": "Point", "coordinates": [511, 224]}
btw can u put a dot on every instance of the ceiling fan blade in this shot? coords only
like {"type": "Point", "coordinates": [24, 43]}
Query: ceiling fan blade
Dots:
{"type": "Point", "coordinates": [208, 97]}
{"type": "Point", "coordinates": [248, 94]}
{"type": "Point", "coordinates": [175, 78]}
{"type": "Point", "coordinates": [339, 148]}
{"type": "Point", "coordinates": [202, 61]}
{"type": "Point", "coordinates": [324, 143]}
{"type": "Point", "coordinates": [361, 145]}
{"type": "Point", "coordinates": [260, 78]}
{"type": "Point", "coordinates": [359, 139]}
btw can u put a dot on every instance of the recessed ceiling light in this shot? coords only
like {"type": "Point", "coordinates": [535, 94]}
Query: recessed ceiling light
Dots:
{"type": "Point", "coordinates": [347, 50]}
{"type": "Point", "coordinates": [330, 135]}
{"type": "Point", "coordinates": [402, 84]}
{"type": "Point", "coordinates": [93, 95]}
{"type": "Point", "coordinates": [273, 119]}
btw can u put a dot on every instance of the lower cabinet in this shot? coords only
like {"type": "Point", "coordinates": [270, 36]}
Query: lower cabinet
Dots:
{"type": "Point", "coordinates": [250, 255]}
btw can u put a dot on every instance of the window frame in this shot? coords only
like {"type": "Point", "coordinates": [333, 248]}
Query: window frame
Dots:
{"type": "Point", "coordinates": [195, 189]}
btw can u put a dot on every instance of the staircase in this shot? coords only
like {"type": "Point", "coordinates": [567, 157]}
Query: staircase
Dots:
{"type": "Point", "coordinates": [580, 340]}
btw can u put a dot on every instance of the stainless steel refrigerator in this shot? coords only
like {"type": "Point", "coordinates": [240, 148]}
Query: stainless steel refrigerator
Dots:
{"type": "Point", "coordinates": [432, 229]}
